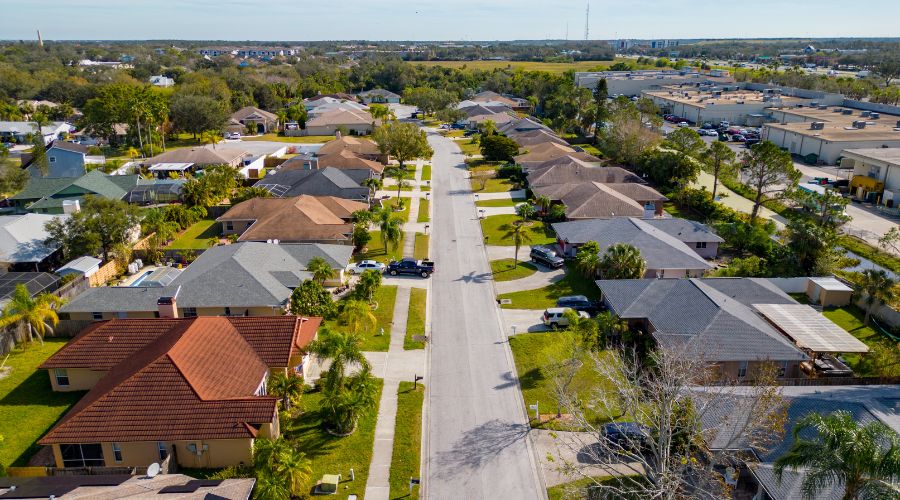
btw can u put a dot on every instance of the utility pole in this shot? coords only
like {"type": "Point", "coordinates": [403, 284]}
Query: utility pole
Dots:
{"type": "Point", "coordinates": [587, 22]}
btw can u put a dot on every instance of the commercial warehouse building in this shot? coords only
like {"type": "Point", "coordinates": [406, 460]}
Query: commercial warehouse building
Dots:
{"type": "Point", "coordinates": [714, 104]}
{"type": "Point", "coordinates": [632, 83]}
{"type": "Point", "coordinates": [876, 173]}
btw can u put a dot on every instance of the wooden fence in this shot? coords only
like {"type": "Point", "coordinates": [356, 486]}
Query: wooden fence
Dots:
{"type": "Point", "coordinates": [825, 381]}
{"type": "Point", "coordinates": [106, 272]}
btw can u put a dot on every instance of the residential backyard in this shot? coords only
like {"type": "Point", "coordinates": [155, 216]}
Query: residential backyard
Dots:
{"type": "Point", "coordinates": [574, 283]}
{"type": "Point", "coordinates": [495, 230]}
{"type": "Point", "coordinates": [200, 236]}
{"type": "Point", "coordinates": [405, 460]}
{"type": "Point", "coordinates": [28, 406]}
{"type": "Point", "coordinates": [851, 318]}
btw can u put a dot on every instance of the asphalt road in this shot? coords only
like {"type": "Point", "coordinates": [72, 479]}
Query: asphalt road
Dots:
{"type": "Point", "coordinates": [477, 443]}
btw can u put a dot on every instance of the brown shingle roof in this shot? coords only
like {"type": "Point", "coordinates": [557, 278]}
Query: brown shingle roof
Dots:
{"type": "Point", "coordinates": [596, 200]}
{"type": "Point", "coordinates": [547, 151]}
{"type": "Point", "coordinates": [251, 112]}
{"type": "Point", "coordinates": [568, 169]}
{"type": "Point", "coordinates": [195, 381]}
{"type": "Point", "coordinates": [198, 156]}
{"type": "Point", "coordinates": [346, 159]}
{"type": "Point", "coordinates": [300, 219]}
{"type": "Point", "coordinates": [363, 147]}
{"type": "Point", "coordinates": [341, 117]}
{"type": "Point", "coordinates": [534, 137]}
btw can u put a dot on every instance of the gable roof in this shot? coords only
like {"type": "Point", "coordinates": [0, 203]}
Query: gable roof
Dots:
{"type": "Point", "coordinates": [379, 92]}
{"type": "Point", "coordinates": [195, 380]}
{"type": "Point", "coordinates": [326, 181]}
{"type": "Point", "coordinates": [523, 125]}
{"type": "Point", "coordinates": [355, 145]}
{"type": "Point", "coordinates": [341, 117]}
{"type": "Point", "coordinates": [347, 159]}
{"type": "Point", "coordinates": [244, 274]}
{"type": "Point", "coordinates": [659, 249]}
{"type": "Point", "coordinates": [534, 137]}
{"type": "Point", "coordinates": [597, 200]}
{"type": "Point", "coordinates": [570, 168]}
{"type": "Point", "coordinates": [198, 156]}
{"type": "Point", "coordinates": [94, 182]}
{"type": "Point", "coordinates": [546, 151]}
{"type": "Point", "coordinates": [254, 114]}
{"type": "Point", "coordinates": [303, 218]}
{"type": "Point", "coordinates": [68, 146]}
{"type": "Point", "coordinates": [708, 317]}
{"type": "Point", "coordinates": [685, 230]}
{"type": "Point", "coordinates": [22, 238]}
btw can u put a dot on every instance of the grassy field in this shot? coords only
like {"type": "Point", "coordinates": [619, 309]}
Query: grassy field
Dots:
{"type": "Point", "coordinates": [377, 252]}
{"type": "Point", "coordinates": [469, 148]}
{"type": "Point", "coordinates": [332, 454]}
{"type": "Point", "coordinates": [28, 407]}
{"type": "Point", "coordinates": [491, 226]}
{"type": "Point", "coordinates": [573, 284]}
{"type": "Point", "coordinates": [307, 139]}
{"type": "Point", "coordinates": [415, 322]}
{"type": "Point", "coordinates": [506, 202]}
{"type": "Point", "coordinates": [421, 248]}
{"type": "Point", "coordinates": [201, 235]}
{"type": "Point", "coordinates": [537, 357]}
{"type": "Point", "coordinates": [426, 172]}
{"type": "Point", "coordinates": [504, 270]}
{"type": "Point", "coordinates": [525, 65]}
{"type": "Point", "coordinates": [492, 185]}
{"type": "Point", "coordinates": [405, 459]}
{"type": "Point", "coordinates": [851, 318]}
{"type": "Point", "coordinates": [423, 211]}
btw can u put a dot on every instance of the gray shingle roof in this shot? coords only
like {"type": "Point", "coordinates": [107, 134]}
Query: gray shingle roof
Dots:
{"type": "Point", "coordinates": [685, 230]}
{"type": "Point", "coordinates": [659, 249]}
{"type": "Point", "coordinates": [244, 274]}
{"type": "Point", "coordinates": [695, 315]}
{"type": "Point", "coordinates": [326, 181]}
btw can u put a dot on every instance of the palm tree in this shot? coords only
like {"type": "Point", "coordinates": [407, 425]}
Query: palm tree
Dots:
{"type": "Point", "coordinates": [132, 152]}
{"type": "Point", "coordinates": [379, 111]}
{"type": "Point", "coordinates": [210, 137]}
{"type": "Point", "coordinates": [368, 283]}
{"type": "Point", "coordinates": [344, 405]}
{"type": "Point", "coordinates": [525, 210]}
{"type": "Point", "coordinates": [38, 314]}
{"type": "Point", "coordinates": [286, 387]}
{"type": "Point", "coordinates": [544, 202]}
{"type": "Point", "coordinates": [374, 184]}
{"type": "Point", "coordinates": [588, 259]}
{"type": "Point", "coordinates": [358, 316]}
{"type": "Point", "coordinates": [389, 225]}
{"type": "Point", "coordinates": [518, 236]}
{"type": "Point", "coordinates": [400, 174]}
{"type": "Point", "coordinates": [342, 349]}
{"type": "Point", "coordinates": [487, 127]}
{"type": "Point", "coordinates": [878, 288]}
{"type": "Point", "coordinates": [321, 270]}
{"type": "Point", "coordinates": [283, 471]}
{"type": "Point", "coordinates": [864, 459]}
{"type": "Point", "coordinates": [622, 261]}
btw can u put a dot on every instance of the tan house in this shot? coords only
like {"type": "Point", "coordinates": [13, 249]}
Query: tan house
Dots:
{"type": "Point", "coordinates": [193, 389]}
{"type": "Point", "coordinates": [357, 122]}
{"type": "Point", "coordinates": [363, 148]}
{"type": "Point", "coordinates": [347, 160]}
{"type": "Point", "coordinates": [600, 200]}
{"type": "Point", "coordinates": [302, 219]}
{"type": "Point", "coordinates": [260, 121]}
{"type": "Point", "coordinates": [546, 151]}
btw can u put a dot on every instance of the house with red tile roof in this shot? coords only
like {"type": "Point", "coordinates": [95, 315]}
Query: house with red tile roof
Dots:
{"type": "Point", "coordinates": [190, 388]}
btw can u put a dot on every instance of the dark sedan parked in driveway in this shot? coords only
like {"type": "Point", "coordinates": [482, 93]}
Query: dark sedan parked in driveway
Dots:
{"type": "Point", "coordinates": [547, 257]}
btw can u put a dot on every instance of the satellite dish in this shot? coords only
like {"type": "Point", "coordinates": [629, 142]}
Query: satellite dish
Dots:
{"type": "Point", "coordinates": [153, 470]}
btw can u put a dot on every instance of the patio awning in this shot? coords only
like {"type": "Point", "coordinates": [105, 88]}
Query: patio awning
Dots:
{"type": "Point", "coordinates": [809, 329]}
{"type": "Point", "coordinates": [170, 167]}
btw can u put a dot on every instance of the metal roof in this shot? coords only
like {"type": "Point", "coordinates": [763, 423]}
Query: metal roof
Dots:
{"type": "Point", "coordinates": [831, 284]}
{"type": "Point", "coordinates": [170, 166]}
{"type": "Point", "coordinates": [809, 329]}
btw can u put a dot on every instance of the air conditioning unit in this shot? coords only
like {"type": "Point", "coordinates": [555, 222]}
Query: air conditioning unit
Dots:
{"type": "Point", "coordinates": [817, 126]}
{"type": "Point", "coordinates": [859, 124]}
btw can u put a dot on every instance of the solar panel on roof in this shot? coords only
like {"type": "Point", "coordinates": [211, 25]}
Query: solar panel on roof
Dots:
{"type": "Point", "coordinates": [809, 329]}
{"type": "Point", "coordinates": [191, 486]}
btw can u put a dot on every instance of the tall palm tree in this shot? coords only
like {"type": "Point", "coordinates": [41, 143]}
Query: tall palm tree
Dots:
{"type": "Point", "coordinates": [321, 270]}
{"type": "Point", "coordinates": [358, 316]}
{"type": "Point", "coordinates": [622, 261]}
{"type": "Point", "coordinates": [389, 225]}
{"type": "Point", "coordinates": [342, 349]}
{"type": "Point", "coordinates": [38, 314]}
{"type": "Point", "coordinates": [283, 471]}
{"type": "Point", "coordinates": [210, 137]}
{"type": "Point", "coordinates": [518, 236]}
{"type": "Point", "coordinates": [878, 287]}
{"type": "Point", "coordinates": [285, 386]}
{"type": "Point", "coordinates": [863, 458]}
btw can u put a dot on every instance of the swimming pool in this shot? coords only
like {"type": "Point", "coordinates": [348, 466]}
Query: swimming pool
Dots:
{"type": "Point", "coordinates": [141, 278]}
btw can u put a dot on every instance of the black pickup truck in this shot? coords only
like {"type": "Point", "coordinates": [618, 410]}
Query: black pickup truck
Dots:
{"type": "Point", "coordinates": [423, 268]}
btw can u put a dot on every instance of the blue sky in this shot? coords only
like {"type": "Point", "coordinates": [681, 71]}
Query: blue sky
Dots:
{"type": "Point", "coordinates": [443, 20]}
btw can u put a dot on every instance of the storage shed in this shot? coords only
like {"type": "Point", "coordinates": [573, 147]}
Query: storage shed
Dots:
{"type": "Point", "coordinates": [828, 291]}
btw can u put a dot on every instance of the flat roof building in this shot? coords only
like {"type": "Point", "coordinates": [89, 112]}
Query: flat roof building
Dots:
{"type": "Point", "coordinates": [714, 104]}
{"type": "Point", "coordinates": [632, 83]}
{"type": "Point", "coordinates": [875, 170]}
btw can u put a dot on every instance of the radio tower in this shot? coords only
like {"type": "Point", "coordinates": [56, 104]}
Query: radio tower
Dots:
{"type": "Point", "coordinates": [587, 22]}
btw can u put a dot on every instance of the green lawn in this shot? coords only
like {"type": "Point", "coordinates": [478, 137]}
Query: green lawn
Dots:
{"type": "Point", "coordinates": [421, 248]}
{"type": "Point", "coordinates": [573, 284]}
{"type": "Point", "coordinates": [332, 454]}
{"type": "Point", "coordinates": [386, 296]}
{"type": "Point", "coordinates": [505, 270]}
{"type": "Point", "coordinates": [504, 202]}
{"type": "Point", "coordinates": [426, 172]}
{"type": "Point", "coordinates": [471, 147]}
{"type": "Point", "coordinates": [851, 318]}
{"type": "Point", "coordinates": [577, 488]}
{"type": "Point", "coordinates": [406, 459]}
{"type": "Point", "coordinates": [200, 236]}
{"type": "Point", "coordinates": [376, 249]}
{"type": "Point", "coordinates": [590, 149]}
{"type": "Point", "coordinates": [867, 251]}
{"type": "Point", "coordinates": [28, 407]}
{"type": "Point", "coordinates": [536, 356]}
{"type": "Point", "coordinates": [492, 185]}
{"type": "Point", "coordinates": [538, 233]}
{"type": "Point", "coordinates": [415, 322]}
{"type": "Point", "coordinates": [403, 215]}
{"type": "Point", "coordinates": [306, 139]}
{"type": "Point", "coordinates": [423, 211]}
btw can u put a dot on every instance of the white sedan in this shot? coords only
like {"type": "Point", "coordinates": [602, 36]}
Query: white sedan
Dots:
{"type": "Point", "coordinates": [366, 265]}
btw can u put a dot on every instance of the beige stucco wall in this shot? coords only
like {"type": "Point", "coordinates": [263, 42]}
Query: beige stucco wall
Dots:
{"type": "Point", "coordinates": [80, 379]}
{"type": "Point", "coordinates": [205, 311]}
{"type": "Point", "coordinates": [331, 129]}
{"type": "Point", "coordinates": [220, 453]}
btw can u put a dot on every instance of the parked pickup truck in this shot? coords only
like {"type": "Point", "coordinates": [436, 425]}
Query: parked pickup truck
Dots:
{"type": "Point", "coordinates": [423, 268]}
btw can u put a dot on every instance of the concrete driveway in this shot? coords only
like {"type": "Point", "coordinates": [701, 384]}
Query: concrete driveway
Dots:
{"type": "Point", "coordinates": [573, 448]}
{"type": "Point", "coordinates": [516, 321]}
{"type": "Point", "coordinates": [544, 276]}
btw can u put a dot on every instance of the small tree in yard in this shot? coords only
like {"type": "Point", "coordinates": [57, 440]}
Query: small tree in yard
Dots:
{"type": "Point", "coordinates": [321, 270]}
{"type": "Point", "coordinates": [516, 231]}
{"type": "Point", "coordinates": [390, 227]}
{"type": "Point", "coordinates": [770, 173]}
{"type": "Point", "coordinates": [361, 236]}
{"type": "Point", "coordinates": [718, 160]}
{"type": "Point", "coordinates": [403, 141]}
{"type": "Point", "coordinates": [622, 261]}
{"type": "Point", "coordinates": [878, 288]}
{"type": "Point", "coordinates": [369, 283]}
{"type": "Point", "coordinates": [525, 211]}
{"type": "Point", "coordinates": [37, 314]}
{"type": "Point", "coordinates": [400, 174]}
{"type": "Point", "coordinates": [669, 458]}
{"type": "Point", "coordinates": [498, 148]}
{"type": "Point", "coordinates": [358, 316]}
{"type": "Point", "coordinates": [101, 224]}
{"type": "Point", "coordinates": [588, 259]}
{"type": "Point", "coordinates": [312, 299]}
{"type": "Point", "coordinates": [287, 387]}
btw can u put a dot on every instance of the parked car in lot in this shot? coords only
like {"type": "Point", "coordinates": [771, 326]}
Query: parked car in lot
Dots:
{"type": "Point", "coordinates": [708, 132]}
{"type": "Point", "coordinates": [547, 257]}
{"type": "Point", "coordinates": [737, 138]}
{"type": "Point", "coordinates": [233, 136]}
{"type": "Point", "coordinates": [366, 265]}
{"type": "Point", "coordinates": [579, 303]}
{"type": "Point", "coordinates": [683, 124]}
{"type": "Point", "coordinates": [627, 436]}
{"type": "Point", "coordinates": [707, 126]}
{"type": "Point", "coordinates": [556, 316]}
{"type": "Point", "coordinates": [423, 268]}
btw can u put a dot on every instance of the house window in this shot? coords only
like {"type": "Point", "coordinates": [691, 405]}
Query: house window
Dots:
{"type": "Point", "coordinates": [82, 455]}
{"type": "Point", "coordinates": [227, 311]}
{"type": "Point", "coordinates": [700, 244]}
{"type": "Point", "coordinates": [52, 159]}
{"type": "Point", "coordinates": [782, 370]}
{"type": "Point", "coordinates": [163, 451]}
{"type": "Point", "coordinates": [742, 369]}
{"type": "Point", "coordinates": [62, 377]}
{"type": "Point", "coordinates": [97, 316]}
{"type": "Point", "coordinates": [117, 452]}
{"type": "Point", "coordinates": [229, 226]}
{"type": "Point", "coordinates": [190, 312]}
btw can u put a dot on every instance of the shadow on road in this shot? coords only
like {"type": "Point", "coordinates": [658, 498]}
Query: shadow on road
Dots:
{"type": "Point", "coordinates": [475, 278]}
{"type": "Point", "coordinates": [510, 381]}
{"type": "Point", "coordinates": [478, 446]}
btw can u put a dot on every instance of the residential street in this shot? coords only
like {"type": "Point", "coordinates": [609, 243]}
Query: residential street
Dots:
{"type": "Point", "coordinates": [477, 442]}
